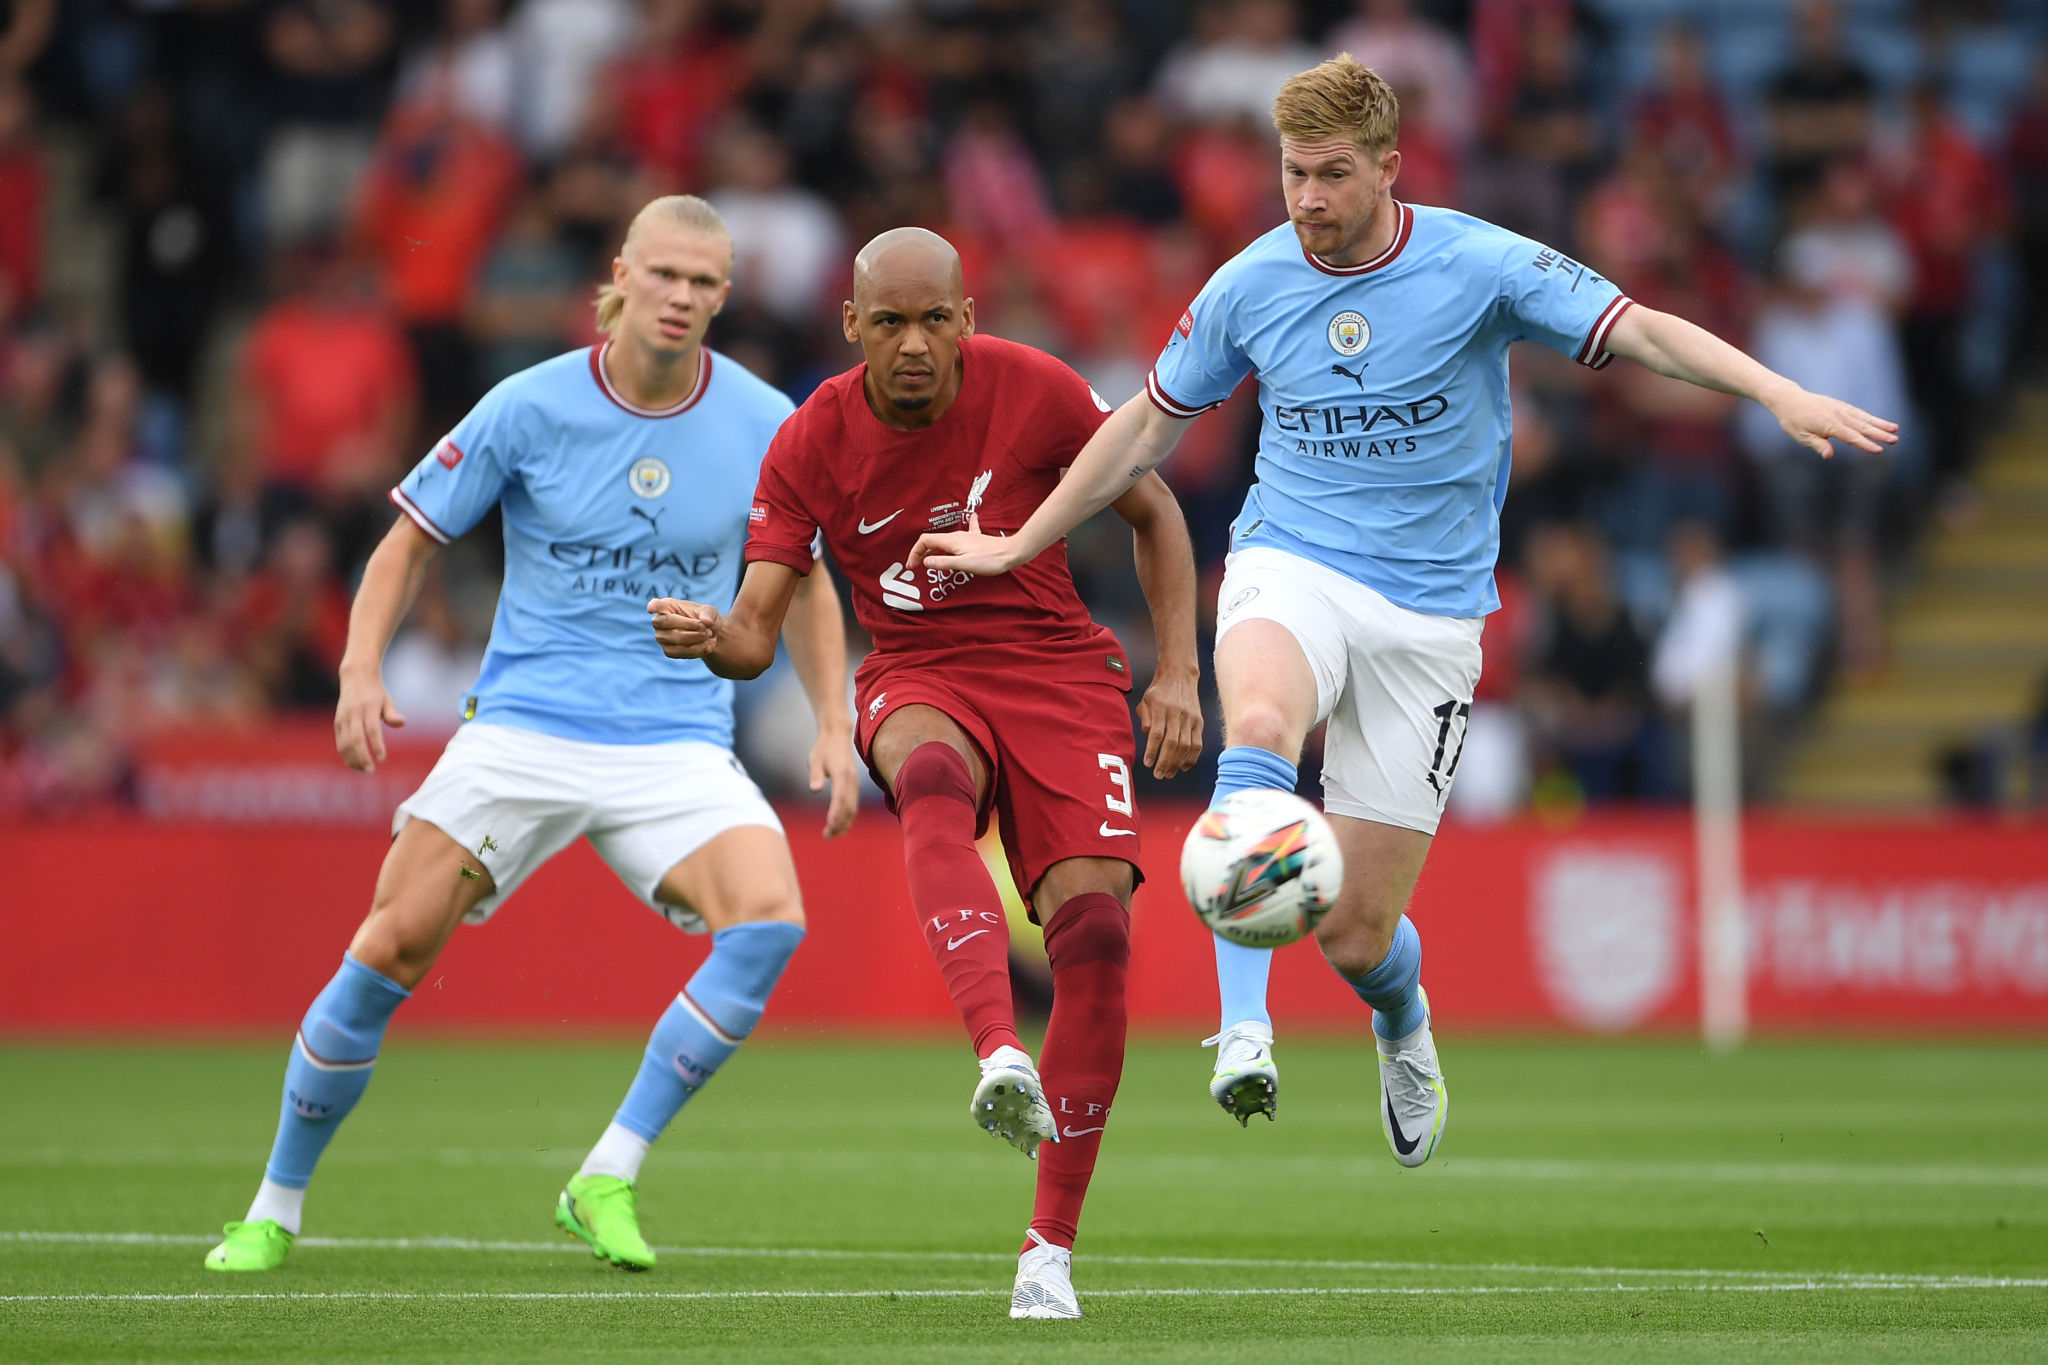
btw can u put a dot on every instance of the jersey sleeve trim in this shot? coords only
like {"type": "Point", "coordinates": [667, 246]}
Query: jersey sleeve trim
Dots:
{"type": "Point", "coordinates": [1173, 407]}
{"type": "Point", "coordinates": [800, 560]}
{"type": "Point", "coordinates": [420, 519]}
{"type": "Point", "coordinates": [1594, 355]}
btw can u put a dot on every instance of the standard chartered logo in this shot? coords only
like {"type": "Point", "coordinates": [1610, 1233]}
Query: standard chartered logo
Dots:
{"type": "Point", "coordinates": [899, 589]}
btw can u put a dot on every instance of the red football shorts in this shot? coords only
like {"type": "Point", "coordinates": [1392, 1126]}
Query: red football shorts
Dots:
{"type": "Point", "coordinates": [1059, 757]}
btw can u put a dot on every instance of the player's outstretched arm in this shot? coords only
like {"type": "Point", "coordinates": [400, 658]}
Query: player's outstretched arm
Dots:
{"type": "Point", "coordinates": [1171, 709]}
{"type": "Point", "coordinates": [1680, 350]}
{"type": "Point", "coordinates": [390, 582]}
{"type": "Point", "coordinates": [1122, 451]}
{"type": "Point", "coordinates": [816, 632]}
{"type": "Point", "coordinates": [736, 644]}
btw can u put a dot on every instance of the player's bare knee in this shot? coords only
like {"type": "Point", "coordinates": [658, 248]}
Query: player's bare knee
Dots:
{"type": "Point", "coordinates": [1262, 724]}
{"type": "Point", "coordinates": [777, 909]}
{"type": "Point", "coordinates": [1071, 877]}
{"type": "Point", "coordinates": [387, 946]}
{"type": "Point", "coordinates": [1352, 947]}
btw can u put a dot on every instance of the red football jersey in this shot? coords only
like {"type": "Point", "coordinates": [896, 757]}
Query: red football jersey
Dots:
{"type": "Point", "coordinates": [1020, 417]}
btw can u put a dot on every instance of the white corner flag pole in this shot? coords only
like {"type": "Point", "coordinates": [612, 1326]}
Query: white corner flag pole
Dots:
{"type": "Point", "coordinates": [1717, 849]}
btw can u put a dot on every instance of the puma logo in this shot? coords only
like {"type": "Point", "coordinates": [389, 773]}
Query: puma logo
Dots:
{"type": "Point", "coordinates": [1357, 377]}
{"type": "Point", "coordinates": [653, 522]}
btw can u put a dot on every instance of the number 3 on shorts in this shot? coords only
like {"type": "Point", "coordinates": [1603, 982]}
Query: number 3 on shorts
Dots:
{"type": "Point", "coordinates": [1119, 780]}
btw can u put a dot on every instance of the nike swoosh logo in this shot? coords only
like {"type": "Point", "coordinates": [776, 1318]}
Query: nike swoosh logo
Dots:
{"type": "Point", "coordinates": [1107, 831]}
{"type": "Point", "coordinates": [1402, 1143]}
{"type": "Point", "coordinates": [867, 529]}
{"type": "Point", "coordinates": [953, 943]}
{"type": "Point", "coordinates": [1083, 1132]}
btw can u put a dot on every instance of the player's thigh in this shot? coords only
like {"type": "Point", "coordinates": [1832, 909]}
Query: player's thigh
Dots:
{"type": "Point", "coordinates": [688, 832]}
{"type": "Point", "coordinates": [1381, 865]}
{"type": "Point", "coordinates": [1071, 877]}
{"type": "Point", "coordinates": [1281, 655]}
{"type": "Point", "coordinates": [1064, 792]}
{"type": "Point", "coordinates": [1397, 733]}
{"type": "Point", "coordinates": [742, 876]}
{"type": "Point", "coordinates": [498, 803]}
{"type": "Point", "coordinates": [904, 730]}
{"type": "Point", "coordinates": [427, 884]}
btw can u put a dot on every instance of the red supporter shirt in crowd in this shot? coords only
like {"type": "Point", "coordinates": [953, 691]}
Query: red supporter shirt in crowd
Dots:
{"type": "Point", "coordinates": [1021, 416]}
{"type": "Point", "coordinates": [321, 377]}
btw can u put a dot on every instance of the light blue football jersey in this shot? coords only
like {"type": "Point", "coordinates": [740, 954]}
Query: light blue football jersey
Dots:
{"type": "Point", "coordinates": [606, 505]}
{"type": "Point", "coordinates": [1383, 393]}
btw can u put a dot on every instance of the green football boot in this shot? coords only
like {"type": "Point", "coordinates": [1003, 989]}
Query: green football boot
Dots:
{"type": "Point", "coordinates": [261, 1245]}
{"type": "Point", "coordinates": [599, 1209]}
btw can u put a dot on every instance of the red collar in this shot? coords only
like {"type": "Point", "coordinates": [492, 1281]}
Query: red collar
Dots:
{"type": "Point", "coordinates": [1385, 258]}
{"type": "Point", "coordinates": [604, 382]}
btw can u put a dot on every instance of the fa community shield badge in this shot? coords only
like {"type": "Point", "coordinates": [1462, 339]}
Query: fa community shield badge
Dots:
{"type": "Point", "coordinates": [1348, 333]}
{"type": "Point", "coordinates": [649, 477]}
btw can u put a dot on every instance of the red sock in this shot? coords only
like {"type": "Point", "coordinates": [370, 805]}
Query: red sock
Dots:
{"type": "Point", "coordinates": [955, 898]}
{"type": "Point", "coordinates": [1089, 942]}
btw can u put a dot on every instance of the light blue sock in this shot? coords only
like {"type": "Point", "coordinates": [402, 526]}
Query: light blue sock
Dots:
{"type": "Point", "coordinates": [344, 1029]}
{"type": "Point", "coordinates": [1240, 971]}
{"type": "Point", "coordinates": [1394, 988]}
{"type": "Point", "coordinates": [707, 1022]}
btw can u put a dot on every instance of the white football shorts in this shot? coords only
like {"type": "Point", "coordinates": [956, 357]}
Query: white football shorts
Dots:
{"type": "Point", "coordinates": [515, 798]}
{"type": "Point", "coordinates": [1395, 685]}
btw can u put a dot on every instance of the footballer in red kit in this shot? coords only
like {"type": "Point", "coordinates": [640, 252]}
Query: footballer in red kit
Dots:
{"type": "Point", "coordinates": [1018, 654]}
{"type": "Point", "coordinates": [984, 697]}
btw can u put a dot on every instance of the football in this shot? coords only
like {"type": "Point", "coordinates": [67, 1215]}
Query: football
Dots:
{"type": "Point", "coordinates": [1261, 868]}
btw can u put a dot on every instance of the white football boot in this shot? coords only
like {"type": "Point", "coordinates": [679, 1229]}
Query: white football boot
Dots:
{"type": "Point", "coordinates": [1045, 1282]}
{"type": "Point", "coordinates": [1246, 1081]}
{"type": "Point", "coordinates": [1010, 1102]}
{"type": "Point", "coordinates": [1414, 1101]}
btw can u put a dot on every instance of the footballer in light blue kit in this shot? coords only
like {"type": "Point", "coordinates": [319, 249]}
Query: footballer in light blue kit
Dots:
{"type": "Point", "coordinates": [1361, 567]}
{"type": "Point", "coordinates": [625, 472]}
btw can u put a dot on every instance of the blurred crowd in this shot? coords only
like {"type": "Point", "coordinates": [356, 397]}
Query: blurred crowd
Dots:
{"type": "Point", "coordinates": [256, 255]}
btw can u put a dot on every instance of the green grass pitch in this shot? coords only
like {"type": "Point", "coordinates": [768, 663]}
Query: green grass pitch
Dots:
{"type": "Point", "coordinates": [830, 1201]}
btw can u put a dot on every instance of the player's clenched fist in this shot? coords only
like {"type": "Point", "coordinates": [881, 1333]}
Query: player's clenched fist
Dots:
{"type": "Point", "coordinates": [684, 630]}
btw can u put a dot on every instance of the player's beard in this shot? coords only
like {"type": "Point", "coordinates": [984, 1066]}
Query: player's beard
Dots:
{"type": "Point", "coordinates": [910, 404]}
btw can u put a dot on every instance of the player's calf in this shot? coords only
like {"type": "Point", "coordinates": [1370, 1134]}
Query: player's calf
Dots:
{"type": "Point", "coordinates": [1414, 1101]}
{"type": "Point", "coordinates": [1088, 941]}
{"type": "Point", "coordinates": [701, 1029]}
{"type": "Point", "coordinates": [957, 905]}
{"type": "Point", "coordinates": [328, 1071]}
{"type": "Point", "coordinates": [1245, 1080]}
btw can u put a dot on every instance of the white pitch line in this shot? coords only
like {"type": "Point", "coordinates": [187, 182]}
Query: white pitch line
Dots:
{"type": "Point", "coordinates": [1176, 1292]}
{"type": "Point", "coordinates": [1739, 1172]}
{"type": "Point", "coordinates": [1455, 1168]}
{"type": "Point", "coordinates": [566, 1247]}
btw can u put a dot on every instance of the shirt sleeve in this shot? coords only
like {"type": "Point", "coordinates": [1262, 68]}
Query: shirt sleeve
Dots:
{"type": "Point", "coordinates": [465, 473]}
{"type": "Point", "coordinates": [1554, 299]}
{"type": "Point", "coordinates": [779, 527]}
{"type": "Point", "coordinates": [1202, 365]}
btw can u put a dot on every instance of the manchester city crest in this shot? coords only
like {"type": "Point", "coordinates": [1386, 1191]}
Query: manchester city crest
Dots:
{"type": "Point", "coordinates": [1348, 333]}
{"type": "Point", "coordinates": [649, 477]}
